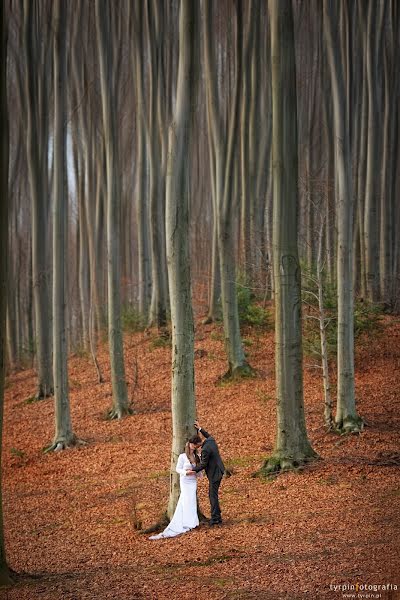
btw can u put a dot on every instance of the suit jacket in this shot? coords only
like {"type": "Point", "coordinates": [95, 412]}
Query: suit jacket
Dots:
{"type": "Point", "coordinates": [211, 460]}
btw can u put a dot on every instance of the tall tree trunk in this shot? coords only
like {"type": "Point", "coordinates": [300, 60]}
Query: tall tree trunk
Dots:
{"type": "Point", "coordinates": [107, 65]}
{"type": "Point", "coordinates": [372, 35]}
{"type": "Point", "coordinates": [322, 324]}
{"type": "Point", "coordinates": [361, 186]}
{"type": "Point", "coordinates": [246, 191]}
{"type": "Point", "coordinates": [215, 274]}
{"type": "Point", "coordinates": [178, 257]}
{"type": "Point", "coordinates": [142, 224]}
{"type": "Point", "coordinates": [346, 418]}
{"type": "Point", "coordinates": [64, 435]}
{"type": "Point", "coordinates": [81, 181]}
{"type": "Point", "coordinates": [292, 447]}
{"type": "Point", "coordinates": [224, 145]}
{"type": "Point", "coordinates": [37, 165]}
{"type": "Point", "coordinates": [386, 201]}
{"type": "Point", "coordinates": [152, 111]}
{"type": "Point", "coordinates": [5, 578]}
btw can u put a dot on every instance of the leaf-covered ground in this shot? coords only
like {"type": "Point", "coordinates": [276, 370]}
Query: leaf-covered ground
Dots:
{"type": "Point", "coordinates": [69, 516]}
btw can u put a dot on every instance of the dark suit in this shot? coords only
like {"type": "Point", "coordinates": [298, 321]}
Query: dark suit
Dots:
{"type": "Point", "coordinates": [211, 462]}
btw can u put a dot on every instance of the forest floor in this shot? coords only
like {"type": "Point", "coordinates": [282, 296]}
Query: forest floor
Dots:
{"type": "Point", "coordinates": [69, 516]}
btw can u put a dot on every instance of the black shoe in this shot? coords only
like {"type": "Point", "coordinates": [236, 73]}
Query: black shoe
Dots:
{"type": "Point", "coordinates": [215, 523]}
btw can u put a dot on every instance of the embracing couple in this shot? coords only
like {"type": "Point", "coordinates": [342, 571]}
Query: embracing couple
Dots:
{"type": "Point", "coordinates": [198, 456]}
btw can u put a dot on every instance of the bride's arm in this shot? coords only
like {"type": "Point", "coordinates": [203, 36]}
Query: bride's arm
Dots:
{"type": "Point", "coordinates": [180, 465]}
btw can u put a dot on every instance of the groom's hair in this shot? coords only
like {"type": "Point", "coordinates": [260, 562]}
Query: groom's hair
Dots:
{"type": "Point", "coordinates": [195, 439]}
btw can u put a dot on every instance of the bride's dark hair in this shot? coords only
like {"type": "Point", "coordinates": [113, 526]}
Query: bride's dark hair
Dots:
{"type": "Point", "coordinates": [187, 451]}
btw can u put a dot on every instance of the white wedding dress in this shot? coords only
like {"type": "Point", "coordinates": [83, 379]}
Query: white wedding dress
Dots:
{"type": "Point", "coordinates": [185, 516]}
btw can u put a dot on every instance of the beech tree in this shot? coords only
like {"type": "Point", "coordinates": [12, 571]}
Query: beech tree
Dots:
{"type": "Point", "coordinates": [105, 20]}
{"type": "Point", "coordinates": [5, 578]}
{"type": "Point", "coordinates": [224, 141]}
{"type": "Point", "coordinates": [178, 257]}
{"type": "Point", "coordinates": [292, 447]}
{"type": "Point", "coordinates": [346, 415]}
{"type": "Point", "coordinates": [372, 32]}
{"type": "Point", "coordinates": [37, 66]}
{"type": "Point", "coordinates": [64, 435]}
{"type": "Point", "coordinates": [153, 109]}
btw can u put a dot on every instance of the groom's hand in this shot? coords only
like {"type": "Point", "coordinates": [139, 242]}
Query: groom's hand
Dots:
{"type": "Point", "coordinates": [196, 424]}
{"type": "Point", "coordinates": [190, 472]}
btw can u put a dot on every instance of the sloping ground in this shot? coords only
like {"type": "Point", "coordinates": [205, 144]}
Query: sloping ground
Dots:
{"type": "Point", "coordinates": [68, 516]}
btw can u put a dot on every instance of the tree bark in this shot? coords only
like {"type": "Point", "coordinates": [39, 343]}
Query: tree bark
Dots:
{"type": "Point", "coordinates": [120, 406]}
{"type": "Point", "coordinates": [5, 578]}
{"type": "Point", "coordinates": [387, 231]}
{"type": "Point", "coordinates": [372, 35]}
{"type": "Point", "coordinates": [178, 257]}
{"type": "Point", "coordinates": [153, 118]}
{"type": "Point", "coordinates": [346, 418]}
{"type": "Point", "coordinates": [37, 146]}
{"type": "Point", "coordinates": [292, 447]}
{"type": "Point", "coordinates": [322, 325]}
{"type": "Point", "coordinates": [224, 145]}
{"type": "Point", "coordinates": [64, 435]}
{"type": "Point", "coordinates": [142, 224]}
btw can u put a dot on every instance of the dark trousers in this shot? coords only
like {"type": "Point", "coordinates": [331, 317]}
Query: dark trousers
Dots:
{"type": "Point", "coordinates": [213, 495]}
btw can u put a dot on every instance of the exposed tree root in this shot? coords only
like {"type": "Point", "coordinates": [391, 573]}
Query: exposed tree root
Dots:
{"type": "Point", "coordinates": [349, 425]}
{"type": "Point", "coordinates": [276, 464]}
{"type": "Point", "coordinates": [118, 413]}
{"type": "Point", "coordinates": [44, 393]}
{"type": "Point", "coordinates": [244, 371]}
{"type": "Point", "coordinates": [63, 444]}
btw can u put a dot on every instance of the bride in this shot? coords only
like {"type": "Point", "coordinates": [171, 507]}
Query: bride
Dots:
{"type": "Point", "coordinates": [185, 516]}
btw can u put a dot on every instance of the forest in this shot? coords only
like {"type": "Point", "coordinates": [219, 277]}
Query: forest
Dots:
{"type": "Point", "coordinates": [200, 221]}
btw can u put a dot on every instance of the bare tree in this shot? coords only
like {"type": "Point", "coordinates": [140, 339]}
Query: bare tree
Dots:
{"type": "Point", "coordinates": [224, 147]}
{"type": "Point", "coordinates": [346, 414]}
{"type": "Point", "coordinates": [5, 578]}
{"type": "Point", "coordinates": [178, 258]}
{"type": "Point", "coordinates": [373, 32]}
{"type": "Point", "coordinates": [153, 111]}
{"type": "Point", "coordinates": [292, 447]}
{"type": "Point", "coordinates": [38, 64]}
{"type": "Point", "coordinates": [105, 19]}
{"type": "Point", "coordinates": [64, 435]}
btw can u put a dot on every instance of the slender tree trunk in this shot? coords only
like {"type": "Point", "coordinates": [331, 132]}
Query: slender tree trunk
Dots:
{"type": "Point", "coordinates": [215, 277]}
{"type": "Point", "coordinates": [361, 189]}
{"type": "Point", "coordinates": [346, 418]}
{"type": "Point", "coordinates": [142, 221]}
{"type": "Point", "coordinates": [178, 258]}
{"type": "Point", "coordinates": [152, 116]}
{"type": "Point", "coordinates": [372, 35]}
{"type": "Point", "coordinates": [92, 213]}
{"type": "Point", "coordinates": [13, 347]}
{"type": "Point", "coordinates": [386, 216]}
{"type": "Point", "coordinates": [5, 578]}
{"type": "Point", "coordinates": [246, 191]}
{"type": "Point", "coordinates": [224, 174]}
{"type": "Point", "coordinates": [292, 447]}
{"type": "Point", "coordinates": [322, 329]}
{"type": "Point", "coordinates": [64, 435]}
{"type": "Point", "coordinates": [83, 255]}
{"type": "Point", "coordinates": [120, 397]}
{"type": "Point", "coordinates": [37, 155]}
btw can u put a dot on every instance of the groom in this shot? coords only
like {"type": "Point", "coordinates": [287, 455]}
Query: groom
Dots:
{"type": "Point", "coordinates": [214, 467]}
